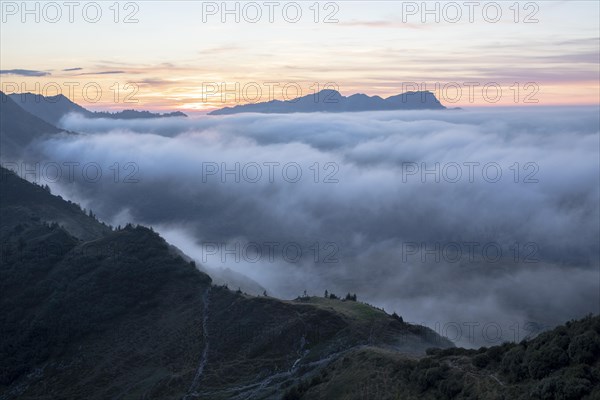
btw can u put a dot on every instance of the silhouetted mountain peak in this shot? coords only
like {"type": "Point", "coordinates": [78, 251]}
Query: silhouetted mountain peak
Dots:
{"type": "Point", "coordinates": [53, 108]}
{"type": "Point", "coordinates": [329, 92]}
{"type": "Point", "coordinates": [330, 100]}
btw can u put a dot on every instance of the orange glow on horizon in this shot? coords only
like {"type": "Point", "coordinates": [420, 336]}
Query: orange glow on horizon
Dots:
{"type": "Point", "coordinates": [108, 94]}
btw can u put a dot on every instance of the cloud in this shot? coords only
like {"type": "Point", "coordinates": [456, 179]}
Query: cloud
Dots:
{"type": "Point", "coordinates": [103, 73]}
{"type": "Point", "coordinates": [361, 216]}
{"type": "Point", "coordinates": [156, 82]}
{"type": "Point", "coordinates": [23, 72]}
{"type": "Point", "coordinates": [73, 69]}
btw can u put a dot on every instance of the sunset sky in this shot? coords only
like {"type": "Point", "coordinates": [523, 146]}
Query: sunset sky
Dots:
{"type": "Point", "coordinates": [173, 56]}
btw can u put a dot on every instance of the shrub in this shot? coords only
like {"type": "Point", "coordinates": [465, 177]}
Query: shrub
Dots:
{"type": "Point", "coordinates": [584, 348]}
{"type": "Point", "coordinates": [512, 364]}
{"type": "Point", "coordinates": [397, 317]}
{"type": "Point", "coordinates": [544, 360]}
{"type": "Point", "coordinates": [481, 360]}
{"type": "Point", "coordinates": [557, 388]}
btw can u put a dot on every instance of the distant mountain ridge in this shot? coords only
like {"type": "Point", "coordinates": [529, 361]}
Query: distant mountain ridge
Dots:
{"type": "Point", "coordinates": [52, 108]}
{"type": "Point", "coordinates": [328, 100]}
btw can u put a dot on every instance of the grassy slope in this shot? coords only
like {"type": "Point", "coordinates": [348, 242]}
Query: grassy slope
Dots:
{"type": "Point", "coordinates": [263, 346]}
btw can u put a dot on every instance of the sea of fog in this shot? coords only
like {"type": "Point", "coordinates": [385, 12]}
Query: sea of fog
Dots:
{"type": "Point", "coordinates": [482, 224]}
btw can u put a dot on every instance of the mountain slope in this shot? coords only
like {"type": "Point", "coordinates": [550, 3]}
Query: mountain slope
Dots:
{"type": "Point", "coordinates": [48, 108]}
{"type": "Point", "coordinates": [560, 364]}
{"type": "Point", "coordinates": [90, 324]}
{"type": "Point", "coordinates": [18, 128]}
{"type": "Point", "coordinates": [52, 108]}
{"type": "Point", "coordinates": [23, 201]}
{"type": "Point", "coordinates": [332, 101]}
{"type": "Point", "coordinates": [121, 315]}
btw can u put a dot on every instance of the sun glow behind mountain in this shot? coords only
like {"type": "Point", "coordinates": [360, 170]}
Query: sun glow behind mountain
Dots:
{"type": "Point", "coordinates": [374, 48]}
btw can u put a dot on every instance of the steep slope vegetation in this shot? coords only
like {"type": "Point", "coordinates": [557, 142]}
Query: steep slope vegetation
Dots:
{"type": "Point", "coordinates": [562, 364]}
{"type": "Point", "coordinates": [23, 201]}
{"type": "Point", "coordinates": [119, 314]}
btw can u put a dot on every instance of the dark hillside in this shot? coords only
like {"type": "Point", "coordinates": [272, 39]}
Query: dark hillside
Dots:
{"type": "Point", "coordinates": [118, 314]}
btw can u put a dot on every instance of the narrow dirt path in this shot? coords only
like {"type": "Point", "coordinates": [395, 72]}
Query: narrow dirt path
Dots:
{"type": "Point", "coordinates": [204, 358]}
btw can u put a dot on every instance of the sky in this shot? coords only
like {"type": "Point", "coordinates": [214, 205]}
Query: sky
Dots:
{"type": "Point", "coordinates": [177, 55]}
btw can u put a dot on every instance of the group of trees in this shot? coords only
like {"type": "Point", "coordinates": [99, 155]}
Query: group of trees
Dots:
{"type": "Point", "coordinates": [34, 183]}
{"type": "Point", "coordinates": [558, 364]}
{"type": "Point", "coordinates": [349, 297]}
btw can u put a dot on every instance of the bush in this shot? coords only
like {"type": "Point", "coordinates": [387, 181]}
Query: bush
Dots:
{"type": "Point", "coordinates": [512, 364]}
{"type": "Point", "coordinates": [397, 317]}
{"type": "Point", "coordinates": [555, 388]}
{"type": "Point", "coordinates": [433, 351]}
{"type": "Point", "coordinates": [292, 394]}
{"type": "Point", "coordinates": [481, 360]}
{"type": "Point", "coordinates": [541, 362]}
{"type": "Point", "coordinates": [451, 386]}
{"type": "Point", "coordinates": [495, 353]}
{"type": "Point", "coordinates": [584, 348]}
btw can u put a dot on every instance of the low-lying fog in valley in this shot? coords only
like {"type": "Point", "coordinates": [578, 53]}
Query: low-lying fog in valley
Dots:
{"type": "Point", "coordinates": [482, 224]}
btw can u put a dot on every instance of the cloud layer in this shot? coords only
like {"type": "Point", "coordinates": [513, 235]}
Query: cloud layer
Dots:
{"type": "Point", "coordinates": [23, 72]}
{"type": "Point", "coordinates": [454, 217]}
